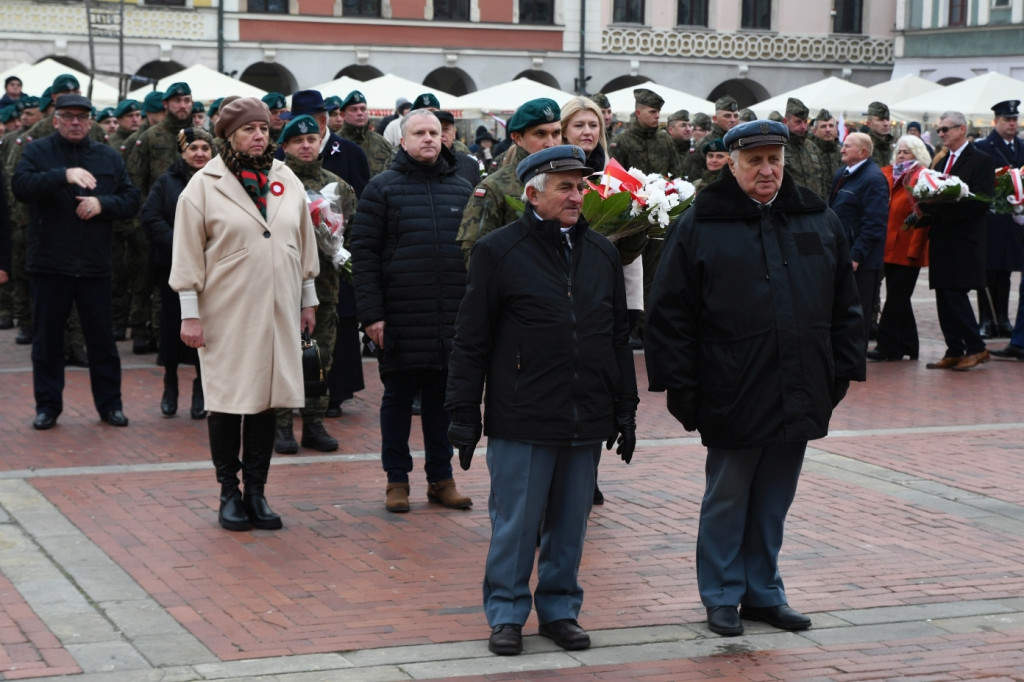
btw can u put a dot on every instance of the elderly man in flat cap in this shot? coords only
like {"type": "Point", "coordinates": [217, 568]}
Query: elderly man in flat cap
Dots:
{"type": "Point", "coordinates": [803, 162]}
{"type": "Point", "coordinates": [535, 125]}
{"type": "Point", "coordinates": [570, 389]}
{"type": "Point", "coordinates": [726, 116]}
{"type": "Point", "coordinates": [754, 329]}
{"type": "Point", "coordinates": [356, 127]}
{"type": "Point", "coordinates": [880, 130]}
{"type": "Point", "coordinates": [1004, 235]}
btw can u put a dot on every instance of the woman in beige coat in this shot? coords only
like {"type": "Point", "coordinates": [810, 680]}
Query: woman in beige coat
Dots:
{"type": "Point", "coordinates": [244, 260]}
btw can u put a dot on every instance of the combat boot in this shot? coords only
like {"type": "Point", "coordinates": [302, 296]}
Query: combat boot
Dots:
{"type": "Point", "coordinates": [284, 440]}
{"type": "Point", "coordinates": [315, 437]}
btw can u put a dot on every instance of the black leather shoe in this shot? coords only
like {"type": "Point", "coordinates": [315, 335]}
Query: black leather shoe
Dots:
{"type": "Point", "coordinates": [725, 621]}
{"type": "Point", "coordinates": [140, 342]}
{"type": "Point", "coordinates": [44, 421]}
{"type": "Point", "coordinates": [115, 418]}
{"type": "Point", "coordinates": [782, 616]}
{"type": "Point", "coordinates": [598, 495]}
{"type": "Point", "coordinates": [566, 633]}
{"type": "Point", "coordinates": [315, 437]}
{"type": "Point", "coordinates": [260, 514]}
{"type": "Point", "coordinates": [1005, 329]}
{"type": "Point", "coordinates": [333, 411]}
{"type": "Point", "coordinates": [1009, 353]}
{"type": "Point", "coordinates": [506, 640]}
{"type": "Point", "coordinates": [24, 336]}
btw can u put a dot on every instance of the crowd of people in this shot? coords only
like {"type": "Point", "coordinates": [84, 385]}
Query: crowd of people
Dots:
{"type": "Point", "coordinates": [189, 227]}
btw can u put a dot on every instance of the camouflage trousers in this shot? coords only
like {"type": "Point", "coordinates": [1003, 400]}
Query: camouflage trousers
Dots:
{"type": "Point", "coordinates": [326, 335]}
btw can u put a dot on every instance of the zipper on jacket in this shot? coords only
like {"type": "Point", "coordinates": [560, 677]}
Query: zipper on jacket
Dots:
{"type": "Point", "coordinates": [519, 368]}
{"type": "Point", "coordinates": [437, 275]}
{"type": "Point", "coordinates": [575, 344]}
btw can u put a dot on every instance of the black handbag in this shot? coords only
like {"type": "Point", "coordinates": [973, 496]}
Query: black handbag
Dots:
{"type": "Point", "coordinates": [313, 374]}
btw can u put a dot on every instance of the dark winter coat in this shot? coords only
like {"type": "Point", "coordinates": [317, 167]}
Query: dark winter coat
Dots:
{"type": "Point", "coordinates": [407, 268]}
{"type": "Point", "coordinates": [862, 204]}
{"type": "Point", "coordinates": [754, 316]}
{"type": "Point", "coordinates": [1005, 250]}
{"type": "Point", "coordinates": [59, 242]}
{"type": "Point", "coordinates": [157, 216]}
{"type": "Point", "coordinates": [551, 339]}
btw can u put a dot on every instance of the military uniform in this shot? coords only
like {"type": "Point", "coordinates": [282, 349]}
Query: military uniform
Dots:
{"type": "Point", "coordinates": [803, 162]}
{"type": "Point", "coordinates": [649, 149]}
{"type": "Point", "coordinates": [881, 154]}
{"type": "Point", "coordinates": [378, 152]}
{"type": "Point", "coordinates": [487, 209]}
{"type": "Point", "coordinates": [725, 103]}
{"type": "Point", "coordinates": [831, 159]}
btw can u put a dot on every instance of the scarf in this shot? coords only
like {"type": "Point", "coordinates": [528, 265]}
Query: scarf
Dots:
{"type": "Point", "coordinates": [251, 172]}
{"type": "Point", "coordinates": [899, 169]}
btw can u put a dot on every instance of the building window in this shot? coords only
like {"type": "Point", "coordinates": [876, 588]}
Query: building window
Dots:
{"type": "Point", "coordinates": [269, 6]}
{"type": "Point", "coordinates": [957, 12]}
{"type": "Point", "coordinates": [848, 16]}
{"type": "Point", "coordinates": [1000, 3]}
{"type": "Point", "coordinates": [360, 8]}
{"type": "Point", "coordinates": [757, 14]}
{"type": "Point", "coordinates": [451, 10]}
{"type": "Point", "coordinates": [536, 11]}
{"type": "Point", "coordinates": [164, 3]}
{"type": "Point", "coordinates": [628, 12]}
{"type": "Point", "coordinates": [693, 13]}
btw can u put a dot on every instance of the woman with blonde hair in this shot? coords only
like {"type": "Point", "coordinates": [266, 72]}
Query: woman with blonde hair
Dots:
{"type": "Point", "coordinates": [906, 252]}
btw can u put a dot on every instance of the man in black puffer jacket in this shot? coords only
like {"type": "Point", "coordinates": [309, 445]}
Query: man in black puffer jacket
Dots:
{"type": "Point", "coordinates": [409, 278]}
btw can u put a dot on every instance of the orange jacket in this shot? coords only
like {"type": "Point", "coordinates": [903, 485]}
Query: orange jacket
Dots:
{"type": "Point", "coordinates": [904, 247]}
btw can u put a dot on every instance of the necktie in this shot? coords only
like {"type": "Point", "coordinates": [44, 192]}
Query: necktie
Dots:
{"type": "Point", "coordinates": [949, 163]}
{"type": "Point", "coordinates": [843, 177]}
{"type": "Point", "coordinates": [567, 248]}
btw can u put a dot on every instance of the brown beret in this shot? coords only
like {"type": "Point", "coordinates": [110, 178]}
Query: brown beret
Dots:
{"type": "Point", "coordinates": [236, 114]}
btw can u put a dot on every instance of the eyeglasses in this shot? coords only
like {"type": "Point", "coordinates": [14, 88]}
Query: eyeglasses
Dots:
{"type": "Point", "coordinates": [74, 117]}
{"type": "Point", "coordinates": [945, 129]}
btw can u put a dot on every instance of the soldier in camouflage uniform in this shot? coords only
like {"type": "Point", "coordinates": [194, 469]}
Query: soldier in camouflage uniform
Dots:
{"type": "Point", "coordinates": [129, 119]}
{"type": "Point", "coordinates": [726, 117]}
{"type": "Point", "coordinates": [155, 150]}
{"type": "Point", "coordinates": [153, 112]}
{"type": "Point", "coordinates": [277, 104]}
{"type": "Point", "coordinates": [301, 142]}
{"type": "Point", "coordinates": [356, 127]}
{"type": "Point", "coordinates": [534, 126]}
{"type": "Point", "coordinates": [803, 163]}
{"type": "Point", "coordinates": [826, 137]}
{"type": "Point", "coordinates": [716, 157]}
{"type": "Point", "coordinates": [105, 117]}
{"type": "Point", "coordinates": [879, 127]}
{"type": "Point", "coordinates": [644, 145]}
{"type": "Point", "coordinates": [335, 116]}
{"type": "Point", "coordinates": [681, 132]}
{"type": "Point", "coordinates": [693, 164]}
{"type": "Point", "coordinates": [14, 297]}
{"type": "Point", "coordinates": [746, 115]}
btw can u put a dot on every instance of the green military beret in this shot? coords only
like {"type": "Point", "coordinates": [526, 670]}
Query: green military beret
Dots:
{"type": "Point", "coordinates": [426, 101]}
{"type": "Point", "coordinates": [534, 113]}
{"type": "Point", "coordinates": [197, 107]}
{"type": "Point", "coordinates": [747, 115]}
{"type": "Point", "coordinates": [27, 102]}
{"type": "Point", "coordinates": [177, 90]}
{"type": "Point", "coordinates": [300, 125]}
{"type": "Point", "coordinates": [601, 100]}
{"type": "Point", "coordinates": [681, 115]}
{"type": "Point", "coordinates": [215, 106]}
{"type": "Point", "coordinates": [8, 113]}
{"type": "Point", "coordinates": [64, 83]}
{"type": "Point", "coordinates": [127, 106]}
{"type": "Point", "coordinates": [795, 107]}
{"type": "Point", "coordinates": [355, 97]}
{"type": "Point", "coordinates": [275, 101]}
{"type": "Point", "coordinates": [701, 121]}
{"type": "Point", "coordinates": [45, 100]}
{"type": "Point", "coordinates": [332, 103]}
{"type": "Point", "coordinates": [153, 102]}
{"type": "Point", "coordinates": [824, 115]}
{"type": "Point", "coordinates": [878, 109]}
{"type": "Point", "coordinates": [648, 98]}
{"type": "Point", "coordinates": [715, 145]}
{"type": "Point", "coordinates": [726, 103]}
{"type": "Point", "coordinates": [104, 114]}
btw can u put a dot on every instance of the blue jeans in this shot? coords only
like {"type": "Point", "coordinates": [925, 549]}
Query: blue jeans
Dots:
{"type": "Point", "coordinates": [400, 388]}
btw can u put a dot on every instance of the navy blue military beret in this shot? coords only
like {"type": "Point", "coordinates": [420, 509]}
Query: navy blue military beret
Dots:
{"type": "Point", "coordinates": [756, 134]}
{"type": "Point", "coordinates": [566, 157]}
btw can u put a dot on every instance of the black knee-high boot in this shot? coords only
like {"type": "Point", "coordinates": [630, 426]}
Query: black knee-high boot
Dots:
{"type": "Point", "coordinates": [257, 449]}
{"type": "Point", "coordinates": [198, 408]}
{"type": "Point", "coordinates": [225, 444]}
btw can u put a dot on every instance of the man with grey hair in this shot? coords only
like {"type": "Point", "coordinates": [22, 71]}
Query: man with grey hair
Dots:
{"type": "Point", "coordinates": [956, 245]}
{"type": "Point", "coordinates": [409, 278]}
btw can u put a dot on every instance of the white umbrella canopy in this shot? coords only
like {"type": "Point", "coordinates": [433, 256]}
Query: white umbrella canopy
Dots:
{"type": "Point", "coordinates": [18, 70]}
{"type": "Point", "coordinates": [815, 95]}
{"type": "Point", "coordinates": [624, 104]}
{"type": "Point", "coordinates": [973, 97]}
{"type": "Point", "coordinates": [339, 86]}
{"type": "Point", "coordinates": [206, 84]}
{"type": "Point", "coordinates": [507, 97]}
{"type": "Point", "coordinates": [382, 92]}
{"type": "Point", "coordinates": [890, 92]}
{"type": "Point", "coordinates": [38, 77]}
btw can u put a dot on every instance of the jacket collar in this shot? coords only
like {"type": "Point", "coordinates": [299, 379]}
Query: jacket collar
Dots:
{"type": "Point", "coordinates": [551, 230]}
{"type": "Point", "coordinates": [231, 188]}
{"type": "Point", "coordinates": [724, 200]}
{"type": "Point", "coordinates": [445, 164]}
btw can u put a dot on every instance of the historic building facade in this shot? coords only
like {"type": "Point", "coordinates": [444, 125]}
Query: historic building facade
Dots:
{"type": "Point", "coordinates": [749, 48]}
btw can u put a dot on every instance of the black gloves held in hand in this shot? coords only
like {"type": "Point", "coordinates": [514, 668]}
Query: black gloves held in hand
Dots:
{"type": "Point", "coordinates": [683, 411]}
{"type": "Point", "coordinates": [464, 433]}
{"type": "Point", "coordinates": [625, 435]}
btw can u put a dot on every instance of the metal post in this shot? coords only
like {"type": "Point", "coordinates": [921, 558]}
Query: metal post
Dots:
{"type": "Point", "coordinates": [220, 36]}
{"type": "Point", "coordinates": [581, 84]}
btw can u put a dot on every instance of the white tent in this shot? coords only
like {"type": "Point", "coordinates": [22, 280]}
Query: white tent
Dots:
{"type": "Point", "coordinates": [382, 92]}
{"type": "Point", "coordinates": [624, 104]}
{"type": "Point", "coordinates": [339, 86]}
{"type": "Point", "coordinates": [815, 95]}
{"type": "Point", "coordinates": [206, 84]}
{"type": "Point", "coordinates": [38, 77]}
{"type": "Point", "coordinates": [507, 97]}
{"type": "Point", "coordinates": [855, 104]}
{"type": "Point", "coordinates": [974, 97]}
{"type": "Point", "coordinates": [18, 70]}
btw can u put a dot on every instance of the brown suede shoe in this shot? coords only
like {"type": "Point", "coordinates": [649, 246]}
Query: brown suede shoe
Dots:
{"type": "Point", "coordinates": [397, 497]}
{"type": "Point", "coordinates": [945, 363]}
{"type": "Point", "coordinates": [445, 493]}
{"type": "Point", "coordinates": [971, 361]}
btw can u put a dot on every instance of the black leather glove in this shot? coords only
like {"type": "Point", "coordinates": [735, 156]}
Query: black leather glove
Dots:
{"type": "Point", "coordinates": [625, 435]}
{"type": "Point", "coordinates": [464, 433]}
{"type": "Point", "coordinates": [682, 410]}
{"type": "Point", "coordinates": [841, 387]}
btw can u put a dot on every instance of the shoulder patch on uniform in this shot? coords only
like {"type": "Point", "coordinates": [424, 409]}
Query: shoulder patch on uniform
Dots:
{"type": "Point", "coordinates": [479, 192]}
